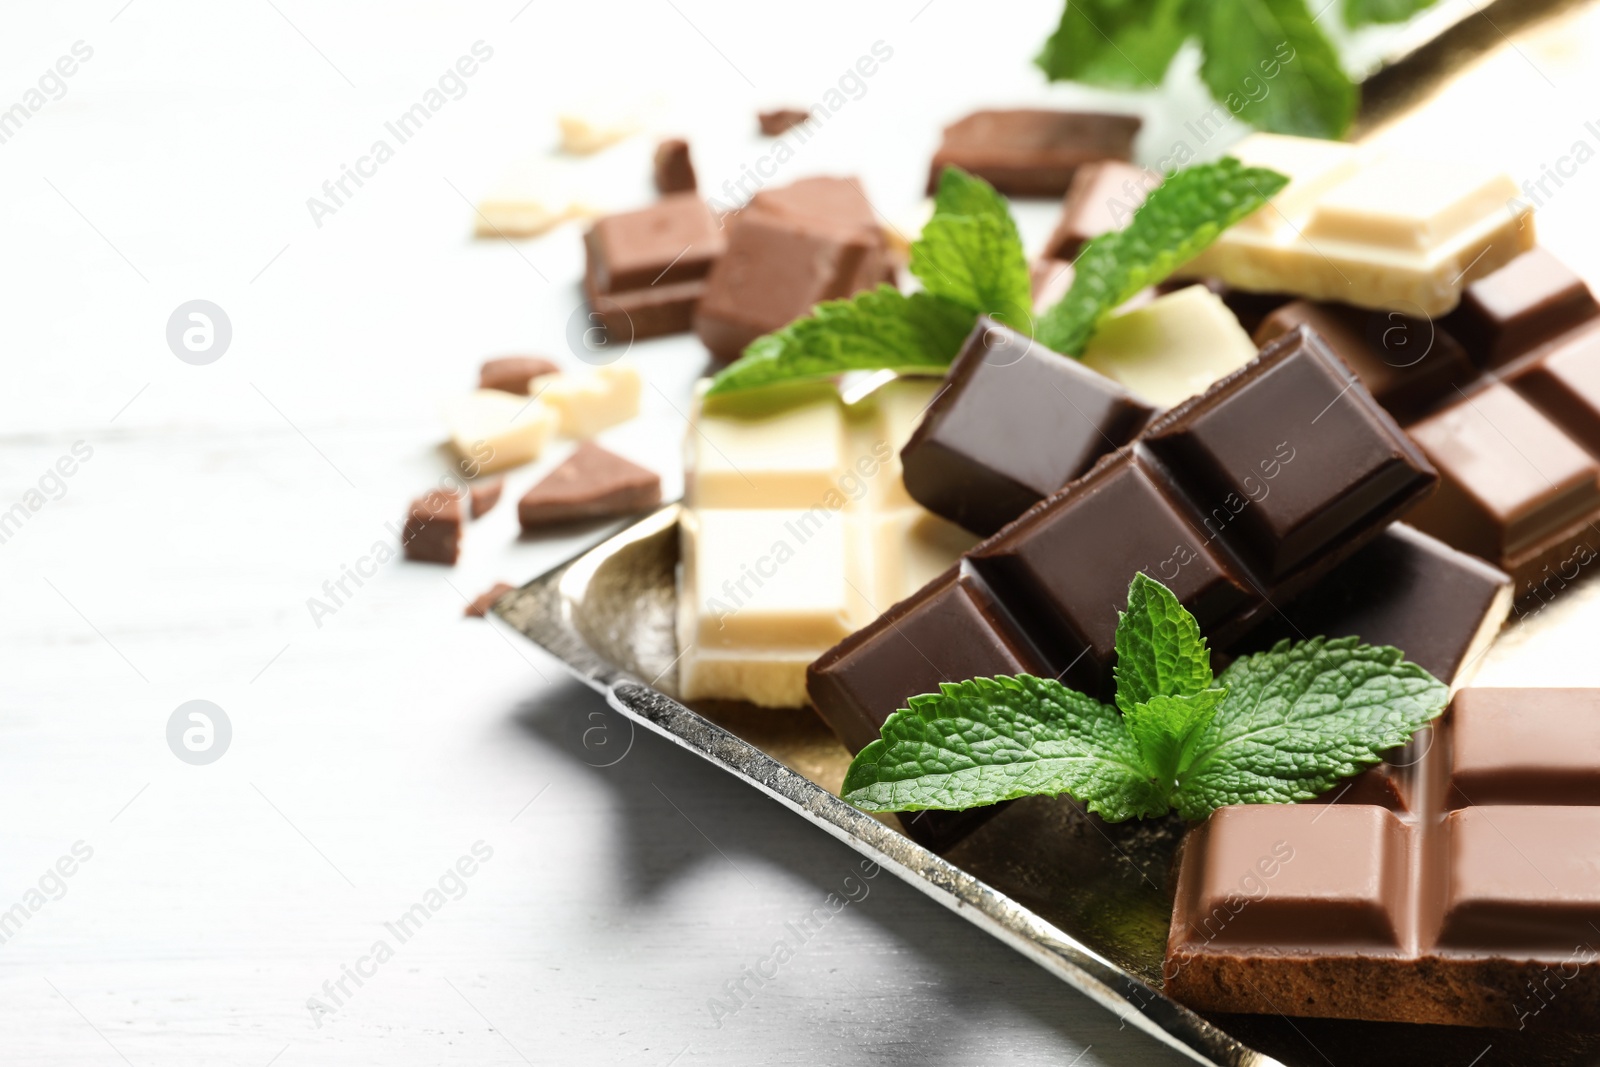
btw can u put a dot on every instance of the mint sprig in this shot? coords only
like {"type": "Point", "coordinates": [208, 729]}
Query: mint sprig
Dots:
{"type": "Point", "coordinates": [969, 259]}
{"type": "Point", "coordinates": [1176, 222]}
{"type": "Point", "coordinates": [1266, 61]}
{"type": "Point", "coordinates": [1275, 727]}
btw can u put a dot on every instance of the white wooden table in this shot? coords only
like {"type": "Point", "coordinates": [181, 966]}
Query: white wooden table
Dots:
{"type": "Point", "coordinates": [373, 748]}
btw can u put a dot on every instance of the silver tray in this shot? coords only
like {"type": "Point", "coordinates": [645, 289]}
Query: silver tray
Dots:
{"type": "Point", "coordinates": [1088, 901]}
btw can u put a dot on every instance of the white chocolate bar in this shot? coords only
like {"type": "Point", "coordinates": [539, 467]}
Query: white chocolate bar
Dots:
{"type": "Point", "coordinates": [798, 532]}
{"type": "Point", "coordinates": [1171, 348]}
{"type": "Point", "coordinates": [494, 431]}
{"type": "Point", "coordinates": [587, 402]}
{"type": "Point", "coordinates": [1374, 230]}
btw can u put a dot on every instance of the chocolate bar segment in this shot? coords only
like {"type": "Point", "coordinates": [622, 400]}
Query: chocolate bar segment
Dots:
{"type": "Point", "coordinates": [1014, 423]}
{"type": "Point", "coordinates": [646, 269]}
{"type": "Point", "coordinates": [1565, 385]}
{"type": "Point", "coordinates": [1348, 465]}
{"type": "Point", "coordinates": [1032, 152]}
{"type": "Point", "coordinates": [1450, 909]}
{"type": "Point", "coordinates": [1529, 301]}
{"type": "Point", "coordinates": [1102, 197]}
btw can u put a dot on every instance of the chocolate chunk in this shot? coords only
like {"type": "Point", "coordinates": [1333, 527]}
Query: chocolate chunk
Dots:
{"type": "Point", "coordinates": [485, 496]}
{"type": "Point", "coordinates": [1014, 423]}
{"type": "Point", "coordinates": [1031, 152]}
{"type": "Point", "coordinates": [512, 374]}
{"type": "Point", "coordinates": [1102, 197]}
{"type": "Point", "coordinates": [834, 202]}
{"type": "Point", "coordinates": [1458, 906]}
{"type": "Point", "coordinates": [1050, 582]}
{"type": "Point", "coordinates": [776, 269]}
{"type": "Point", "coordinates": [433, 528]}
{"type": "Point", "coordinates": [1514, 488]}
{"type": "Point", "coordinates": [781, 120]}
{"type": "Point", "coordinates": [674, 172]}
{"type": "Point", "coordinates": [1294, 405]}
{"type": "Point", "coordinates": [646, 269]}
{"type": "Point", "coordinates": [1565, 385]}
{"type": "Point", "coordinates": [592, 484]}
{"type": "Point", "coordinates": [1407, 364]}
{"type": "Point", "coordinates": [1529, 301]}
{"type": "Point", "coordinates": [485, 601]}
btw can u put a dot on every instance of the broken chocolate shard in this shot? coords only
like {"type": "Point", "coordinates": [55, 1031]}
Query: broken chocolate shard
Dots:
{"type": "Point", "coordinates": [485, 601]}
{"type": "Point", "coordinates": [592, 484]}
{"type": "Point", "coordinates": [513, 374]}
{"type": "Point", "coordinates": [1032, 152]}
{"type": "Point", "coordinates": [781, 120]}
{"type": "Point", "coordinates": [483, 497]}
{"type": "Point", "coordinates": [674, 172]}
{"type": "Point", "coordinates": [432, 531]}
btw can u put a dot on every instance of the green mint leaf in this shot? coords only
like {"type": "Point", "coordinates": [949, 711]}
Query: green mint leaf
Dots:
{"type": "Point", "coordinates": [1268, 63]}
{"type": "Point", "coordinates": [880, 329]}
{"type": "Point", "coordinates": [1366, 12]}
{"type": "Point", "coordinates": [1180, 218]}
{"type": "Point", "coordinates": [1118, 44]}
{"type": "Point", "coordinates": [970, 251]}
{"type": "Point", "coordinates": [993, 739]}
{"type": "Point", "coordinates": [1300, 717]}
{"type": "Point", "coordinates": [1167, 728]}
{"type": "Point", "coordinates": [1160, 652]}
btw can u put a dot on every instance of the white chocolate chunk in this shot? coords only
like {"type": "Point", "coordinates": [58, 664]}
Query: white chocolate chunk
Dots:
{"type": "Point", "coordinates": [494, 431]}
{"type": "Point", "coordinates": [587, 402]}
{"type": "Point", "coordinates": [597, 125]}
{"type": "Point", "coordinates": [792, 458]}
{"type": "Point", "coordinates": [1171, 348]}
{"type": "Point", "coordinates": [532, 198]}
{"type": "Point", "coordinates": [1376, 231]}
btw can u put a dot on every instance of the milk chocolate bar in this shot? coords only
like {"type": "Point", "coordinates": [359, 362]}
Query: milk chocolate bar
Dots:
{"type": "Point", "coordinates": [1466, 896]}
{"type": "Point", "coordinates": [1377, 231]}
{"type": "Point", "coordinates": [1237, 500]}
{"type": "Point", "coordinates": [789, 249]}
{"type": "Point", "coordinates": [646, 269]}
{"type": "Point", "coordinates": [1032, 152]}
{"type": "Point", "coordinates": [1013, 423]}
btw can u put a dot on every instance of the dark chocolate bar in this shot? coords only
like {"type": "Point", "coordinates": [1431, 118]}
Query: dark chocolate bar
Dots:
{"type": "Point", "coordinates": [1014, 423]}
{"type": "Point", "coordinates": [1032, 152]}
{"type": "Point", "coordinates": [1237, 500]}
{"type": "Point", "coordinates": [1466, 896]}
{"type": "Point", "coordinates": [646, 269]}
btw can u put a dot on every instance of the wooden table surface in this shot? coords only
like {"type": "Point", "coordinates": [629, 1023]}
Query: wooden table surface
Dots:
{"type": "Point", "coordinates": [618, 887]}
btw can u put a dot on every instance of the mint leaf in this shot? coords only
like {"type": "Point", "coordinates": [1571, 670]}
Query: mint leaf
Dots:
{"type": "Point", "coordinates": [1166, 729]}
{"type": "Point", "coordinates": [1180, 218]}
{"type": "Point", "coordinates": [970, 251]}
{"type": "Point", "coordinates": [1244, 40]}
{"type": "Point", "coordinates": [1160, 652]}
{"type": "Point", "coordinates": [993, 739]}
{"type": "Point", "coordinates": [1300, 717]}
{"type": "Point", "coordinates": [878, 329]}
{"type": "Point", "coordinates": [1119, 44]}
{"type": "Point", "coordinates": [1365, 12]}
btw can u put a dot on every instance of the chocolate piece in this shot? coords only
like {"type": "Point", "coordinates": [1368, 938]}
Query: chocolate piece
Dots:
{"type": "Point", "coordinates": [1347, 465]}
{"type": "Point", "coordinates": [1406, 363]}
{"type": "Point", "coordinates": [1249, 308]}
{"type": "Point", "coordinates": [1529, 301]}
{"type": "Point", "coordinates": [1458, 906]}
{"type": "Point", "coordinates": [1057, 574]}
{"type": "Point", "coordinates": [1014, 423]}
{"type": "Point", "coordinates": [512, 374]}
{"type": "Point", "coordinates": [485, 601]}
{"type": "Point", "coordinates": [1102, 197]}
{"type": "Point", "coordinates": [835, 202]}
{"type": "Point", "coordinates": [1166, 349]}
{"type": "Point", "coordinates": [592, 484]}
{"type": "Point", "coordinates": [433, 528]}
{"type": "Point", "coordinates": [781, 120]}
{"type": "Point", "coordinates": [1440, 607]}
{"type": "Point", "coordinates": [1032, 152]}
{"type": "Point", "coordinates": [646, 269]}
{"type": "Point", "coordinates": [485, 496]}
{"type": "Point", "coordinates": [1565, 385]}
{"type": "Point", "coordinates": [674, 173]}
{"type": "Point", "coordinates": [1048, 282]}
{"type": "Point", "coordinates": [1514, 488]}
{"type": "Point", "coordinates": [776, 269]}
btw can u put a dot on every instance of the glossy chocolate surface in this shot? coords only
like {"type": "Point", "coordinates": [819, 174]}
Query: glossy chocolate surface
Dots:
{"type": "Point", "coordinates": [1014, 423]}
{"type": "Point", "coordinates": [1531, 300]}
{"type": "Point", "coordinates": [1445, 909]}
